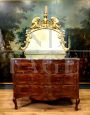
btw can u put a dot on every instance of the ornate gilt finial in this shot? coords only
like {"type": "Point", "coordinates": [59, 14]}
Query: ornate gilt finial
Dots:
{"type": "Point", "coordinates": [46, 10]}
{"type": "Point", "coordinates": [45, 20]}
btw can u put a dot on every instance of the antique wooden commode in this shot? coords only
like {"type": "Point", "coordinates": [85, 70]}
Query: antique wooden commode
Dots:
{"type": "Point", "coordinates": [46, 79]}
{"type": "Point", "coordinates": [45, 74]}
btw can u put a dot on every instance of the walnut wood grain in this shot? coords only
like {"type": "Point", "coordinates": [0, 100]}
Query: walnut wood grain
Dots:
{"type": "Point", "coordinates": [46, 79]}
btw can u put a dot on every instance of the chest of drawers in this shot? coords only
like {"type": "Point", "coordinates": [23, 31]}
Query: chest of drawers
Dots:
{"type": "Point", "coordinates": [45, 79]}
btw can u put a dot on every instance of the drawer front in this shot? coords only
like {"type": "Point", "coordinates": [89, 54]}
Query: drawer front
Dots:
{"type": "Point", "coordinates": [22, 90]}
{"type": "Point", "coordinates": [70, 91]}
{"type": "Point", "coordinates": [47, 79]}
{"type": "Point", "coordinates": [71, 69]}
{"type": "Point", "coordinates": [56, 91]}
{"type": "Point", "coordinates": [64, 68]}
{"type": "Point", "coordinates": [70, 79]}
{"type": "Point", "coordinates": [37, 92]}
{"type": "Point", "coordinates": [26, 69]}
{"type": "Point", "coordinates": [32, 66]}
{"type": "Point", "coordinates": [52, 66]}
{"type": "Point", "coordinates": [56, 79]}
{"type": "Point", "coordinates": [22, 79]}
{"type": "Point", "coordinates": [71, 66]}
{"type": "Point", "coordinates": [46, 66]}
{"type": "Point", "coordinates": [39, 79]}
{"type": "Point", "coordinates": [57, 68]}
{"type": "Point", "coordinates": [46, 92]}
{"type": "Point", "coordinates": [32, 79]}
{"type": "Point", "coordinates": [37, 89]}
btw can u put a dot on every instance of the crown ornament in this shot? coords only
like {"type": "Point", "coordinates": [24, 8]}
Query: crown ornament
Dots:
{"type": "Point", "coordinates": [37, 23]}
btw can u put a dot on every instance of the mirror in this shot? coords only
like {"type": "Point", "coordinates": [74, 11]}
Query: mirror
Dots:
{"type": "Point", "coordinates": [45, 38]}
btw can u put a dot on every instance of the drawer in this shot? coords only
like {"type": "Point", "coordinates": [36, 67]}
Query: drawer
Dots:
{"type": "Point", "coordinates": [71, 79]}
{"type": "Point", "coordinates": [46, 92]}
{"type": "Point", "coordinates": [53, 92]}
{"type": "Point", "coordinates": [73, 68]}
{"type": "Point", "coordinates": [57, 68]}
{"type": "Point", "coordinates": [64, 68]}
{"type": "Point", "coordinates": [70, 91]}
{"type": "Point", "coordinates": [22, 79]}
{"type": "Point", "coordinates": [45, 66]}
{"type": "Point", "coordinates": [37, 90]}
{"type": "Point", "coordinates": [46, 79]}
{"type": "Point", "coordinates": [39, 79]}
{"type": "Point", "coordinates": [20, 90]}
{"type": "Point", "coordinates": [56, 79]}
{"type": "Point", "coordinates": [30, 68]}
{"type": "Point", "coordinates": [32, 79]}
{"type": "Point", "coordinates": [56, 90]}
{"type": "Point", "coordinates": [53, 66]}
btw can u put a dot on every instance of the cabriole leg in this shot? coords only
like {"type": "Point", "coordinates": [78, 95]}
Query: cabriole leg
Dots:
{"type": "Point", "coordinates": [15, 103]}
{"type": "Point", "coordinates": [76, 105]}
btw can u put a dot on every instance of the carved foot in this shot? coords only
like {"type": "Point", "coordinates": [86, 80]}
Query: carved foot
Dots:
{"type": "Point", "coordinates": [76, 105]}
{"type": "Point", "coordinates": [15, 102]}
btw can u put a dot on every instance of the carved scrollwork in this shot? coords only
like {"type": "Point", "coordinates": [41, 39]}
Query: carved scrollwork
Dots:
{"type": "Point", "coordinates": [28, 37]}
{"type": "Point", "coordinates": [35, 23]}
{"type": "Point", "coordinates": [55, 23]}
